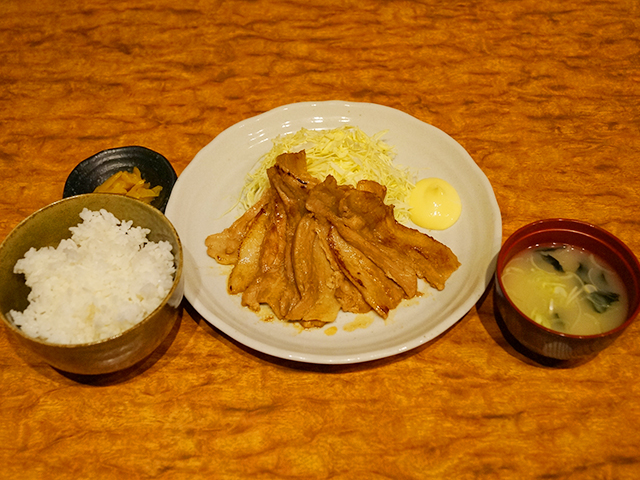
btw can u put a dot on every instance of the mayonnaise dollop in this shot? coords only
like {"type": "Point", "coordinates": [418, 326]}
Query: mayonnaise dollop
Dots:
{"type": "Point", "coordinates": [434, 204]}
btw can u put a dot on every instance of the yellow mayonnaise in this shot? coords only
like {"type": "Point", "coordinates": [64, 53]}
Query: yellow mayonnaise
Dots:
{"type": "Point", "coordinates": [434, 204]}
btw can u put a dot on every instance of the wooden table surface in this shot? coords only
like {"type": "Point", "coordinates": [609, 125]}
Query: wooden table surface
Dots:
{"type": "Point", "coordinates": [543, 95]}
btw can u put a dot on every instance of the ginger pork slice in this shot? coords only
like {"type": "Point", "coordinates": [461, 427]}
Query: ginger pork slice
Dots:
{"type": "Point", "coordinates": [274, 284]}
{"type": "Point", "coordinates": [224, 246]}
{"type": "Point", "coordinates": [247, 266]}
{"type": "Point", "coordinates": [326, 199]}
{"type": "Point", "coordinates": [379, 291]}
{"type": "Point", "coordinates": [315, 278]}
{"type": "Point", "coordinates": [365, 212]}
{"type": "Point", "coordinates": [349, 297]}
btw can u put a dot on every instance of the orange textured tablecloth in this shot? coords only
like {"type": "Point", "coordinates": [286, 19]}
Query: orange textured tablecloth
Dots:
{"type": "Point", "coordinates": [543, 95]}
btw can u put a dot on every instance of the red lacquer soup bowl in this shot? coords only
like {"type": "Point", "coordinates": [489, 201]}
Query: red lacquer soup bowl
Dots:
{"type": "Point", "coordinates": [551, 343]}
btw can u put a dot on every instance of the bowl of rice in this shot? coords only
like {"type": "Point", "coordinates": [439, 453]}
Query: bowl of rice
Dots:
{"type": "Point", "coordinates": [92, 283]}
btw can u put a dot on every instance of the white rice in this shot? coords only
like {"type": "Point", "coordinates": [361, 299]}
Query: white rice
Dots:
{"type": "Point", "coordinates": [103, 280]}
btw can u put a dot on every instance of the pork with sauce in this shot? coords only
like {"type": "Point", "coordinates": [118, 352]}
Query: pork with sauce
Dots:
{"type": "Point", "coordinates": [310, 248]}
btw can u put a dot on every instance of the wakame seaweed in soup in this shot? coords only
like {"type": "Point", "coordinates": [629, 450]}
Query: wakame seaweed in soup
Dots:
{"type": "Point", "coordinates": [566, 289]}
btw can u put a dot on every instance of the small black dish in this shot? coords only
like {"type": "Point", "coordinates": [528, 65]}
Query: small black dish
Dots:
{"type": "Point", "coordinates": [92, 172]}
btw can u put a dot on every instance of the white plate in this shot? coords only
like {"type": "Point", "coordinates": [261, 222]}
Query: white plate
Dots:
{"type": "Point", "coordinates": [203, 199]}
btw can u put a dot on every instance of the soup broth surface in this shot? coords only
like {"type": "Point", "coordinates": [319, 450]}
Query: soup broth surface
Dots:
{"type": "Point", "coordinates": [566, 289]}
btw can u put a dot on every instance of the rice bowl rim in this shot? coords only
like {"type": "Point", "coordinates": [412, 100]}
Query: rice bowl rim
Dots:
{"type": "Point", "coordinates": [177, 260]}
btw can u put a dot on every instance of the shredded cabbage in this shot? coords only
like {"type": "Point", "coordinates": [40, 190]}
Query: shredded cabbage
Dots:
{"type": "Point", "coordinates": [347, 153]}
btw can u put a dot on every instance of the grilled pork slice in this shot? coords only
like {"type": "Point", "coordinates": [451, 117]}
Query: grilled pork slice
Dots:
{"type": "Point", "coordinates": [290, 180]}
{"type": "Point", "coordinates": [349, 297]}
{"type": "Point", "coordinates": [380, 292]}
{"type": "Point", "coordinates": [433, 261]}
{"type": "Point", "coordinates": [247, 266]}
{"type": "Point", "coordinates": [315, 278]}
{"type": "Point", "coordinates": [326, 200]}
{"type": "Point", "coordinates": [365, 212]}
{"type": "Point", "coordinates": [370, 186]}
{"type": "Point", "coordinates": [395, 264]}
{"type": "Point", "coordinates": [275, 284]}
{"type": "Point", "coordinates": [289, 176]}
{"type": "Point", "coordinates": [223, 246]}
{"type": "Point", "coordinates": [367, 223]}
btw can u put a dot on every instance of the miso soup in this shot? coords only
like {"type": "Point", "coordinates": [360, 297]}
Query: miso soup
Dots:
{"type": "Point", "coordinates": [566, 289]}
